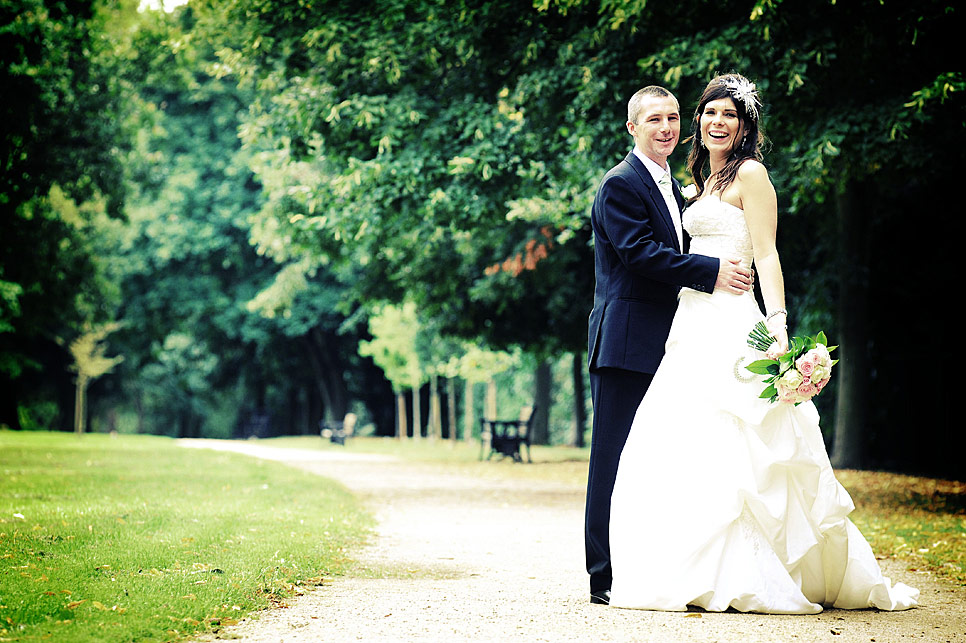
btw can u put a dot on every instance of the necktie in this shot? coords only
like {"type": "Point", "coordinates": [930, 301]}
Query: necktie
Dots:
{"type": "Point", "coordinates": [665, 186]}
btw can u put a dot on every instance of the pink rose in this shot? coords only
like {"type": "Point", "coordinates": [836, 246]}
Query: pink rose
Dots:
{"type": "Point", "coordinates": [820, 385]}
{"type": "Point", "coordinates": [821, 355]}
{"type": "Point", "coordinates": [807, 390]}
{"type": "Point", "coordinates": [786, 393]}
{"type": "Point", "coordinates": [805, 365]}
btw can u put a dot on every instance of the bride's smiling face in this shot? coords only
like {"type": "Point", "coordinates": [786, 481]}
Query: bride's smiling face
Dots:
{"type": "Point", "coordinates": [721, 128]}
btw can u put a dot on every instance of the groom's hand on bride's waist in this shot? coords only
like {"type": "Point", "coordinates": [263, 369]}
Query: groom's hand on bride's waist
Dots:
{"type": "Point", "coordinates": [734, 277]}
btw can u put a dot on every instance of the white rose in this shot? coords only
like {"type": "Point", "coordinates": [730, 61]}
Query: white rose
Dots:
{"type": "Point", "coordinates": [792, 379]}
{"type": "Point", "coordinates": [820, 372]}
{"type": "Point", "coordinates": [823, 356]}
{"type": "Point", "coordinates": [689, 191]}
{"type": "Point", "coordinates": [786, 394]}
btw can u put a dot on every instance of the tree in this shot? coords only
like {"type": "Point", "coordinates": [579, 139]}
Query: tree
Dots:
{"type": "Point", "coordinates": [90, 362]}
{"type": "Point", "coordinates": [62, 138]}
{"type": "Point", "coordinates": [393, 348]}
{"type": "Point", "coordinates": [477, 366]}
{"type": "Point", "coordinates": [189, 269]}
{"type": "Point", "coordinates": [353, 173]}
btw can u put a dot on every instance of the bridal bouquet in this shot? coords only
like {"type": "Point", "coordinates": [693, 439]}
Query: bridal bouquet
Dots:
{"type": "Point", "coordinates": [798, 375]}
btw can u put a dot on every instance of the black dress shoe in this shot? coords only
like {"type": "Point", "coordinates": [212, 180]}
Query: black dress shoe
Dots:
{"type": "Point", "coordinates": [600, 597]}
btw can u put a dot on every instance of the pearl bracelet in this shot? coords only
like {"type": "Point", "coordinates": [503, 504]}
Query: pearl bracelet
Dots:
{"type": "Point", "coordinates": [780, 311]}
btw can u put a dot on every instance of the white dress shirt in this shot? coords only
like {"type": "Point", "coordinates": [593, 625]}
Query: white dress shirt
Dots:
{"type": "Point", "coordinates": [672, 205]}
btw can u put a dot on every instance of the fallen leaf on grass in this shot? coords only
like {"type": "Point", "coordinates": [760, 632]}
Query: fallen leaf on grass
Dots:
{"type": "Point", "coordinates": [75, 604]}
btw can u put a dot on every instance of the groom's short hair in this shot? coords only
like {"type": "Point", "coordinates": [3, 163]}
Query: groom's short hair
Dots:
{"type": "Point", "coordinates": [634, 104]}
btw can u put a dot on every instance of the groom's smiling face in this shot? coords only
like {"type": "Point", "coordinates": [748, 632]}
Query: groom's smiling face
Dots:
{"type": "Point", "coordinates": [658, 128]}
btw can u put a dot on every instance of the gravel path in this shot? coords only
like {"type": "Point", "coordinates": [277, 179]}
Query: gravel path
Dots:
{"type": "Point", "coordinates": [458, 558]}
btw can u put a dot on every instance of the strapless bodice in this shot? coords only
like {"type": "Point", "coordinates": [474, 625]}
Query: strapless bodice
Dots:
{"type": "Point", "coordinates": [718, 229]}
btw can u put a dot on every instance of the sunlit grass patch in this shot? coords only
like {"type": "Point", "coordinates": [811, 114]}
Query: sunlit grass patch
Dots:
{"type": "Point", "coordinates": [566, 465]}
{"type": "Point", "coordinates": [134, 538]}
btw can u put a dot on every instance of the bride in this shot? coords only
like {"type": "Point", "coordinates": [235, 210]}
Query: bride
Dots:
{"type": "Point", "coordinates": [724, 500]}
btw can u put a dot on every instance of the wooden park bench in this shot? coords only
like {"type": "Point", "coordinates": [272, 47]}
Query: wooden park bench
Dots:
{"type": "Point", "coordinates": [337, 431]}
{"type": "Point", "coordinates": [507, 437]}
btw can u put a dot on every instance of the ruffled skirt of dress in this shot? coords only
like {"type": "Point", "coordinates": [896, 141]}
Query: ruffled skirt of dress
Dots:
{"type": "Point", "coordinates": [724, 500]}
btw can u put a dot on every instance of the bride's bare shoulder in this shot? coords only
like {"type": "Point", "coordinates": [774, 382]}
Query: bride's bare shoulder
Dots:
{"type": "Point", "coordinates": [751, 169]}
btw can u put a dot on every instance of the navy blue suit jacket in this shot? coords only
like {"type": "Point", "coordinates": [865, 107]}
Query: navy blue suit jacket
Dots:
{"type": "Point", "coordinates": [639, 270]}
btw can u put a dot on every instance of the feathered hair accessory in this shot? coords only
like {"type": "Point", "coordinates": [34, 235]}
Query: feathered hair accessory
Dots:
{"type": "Point", "coordinates": [744, 90]}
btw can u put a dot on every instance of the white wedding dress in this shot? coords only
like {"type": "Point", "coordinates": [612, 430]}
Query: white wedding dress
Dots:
{"type": "Point", "coordinates": [724, 500]}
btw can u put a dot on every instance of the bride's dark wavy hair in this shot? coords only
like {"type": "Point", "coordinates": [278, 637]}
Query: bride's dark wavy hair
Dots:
{"type": "Point", "coordinates": [751, 144]}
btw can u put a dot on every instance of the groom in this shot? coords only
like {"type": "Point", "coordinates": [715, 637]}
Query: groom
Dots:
{"type": "Point", "coordinates": [640, 266]}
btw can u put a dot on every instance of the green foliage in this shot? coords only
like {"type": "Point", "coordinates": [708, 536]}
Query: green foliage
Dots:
{"type": "Point", "coordinates": [393, 345]}
{"type": "Point", "coordinates": [61, 142]}
{"type": "Point", "coordinates": [88, 351]}
{"type": "Point", "coordinates": [204, 329]}
{"type": "Point", "coordinates": [405, 170]}
{"type": "Point", "coordinates": [136, 538]}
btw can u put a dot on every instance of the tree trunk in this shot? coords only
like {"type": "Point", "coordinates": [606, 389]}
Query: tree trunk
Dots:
{"type": "Point", "coordinates": [417, 415]}
{"type": "Point", "coordinates": [315, 406]}
{"type": "Point", "coordinates": [489, 404]}
{"type": "Point", "coordinates": [9, 414]}
{"type": "Point", "coordinates": [451, 406]}
{"type": "Point", "coordinates": [580, 403]}
{"type": "Point", "coordinates": [469, 415]}
{"type": "Point", "coordinates": [542, 385]}
{"type": "Point", "coordinates": [296, 417]}
{"type": "Point", "coordinates": [851, 419]}
{"type": "Point", "coordinates": [184, 424]}
{"type": "Point", "coordinates": [435, 428]}
{"type": "Point", "coordinates": [139, 406]}
{"type": "Point", "coordinates": [401, 429]}
{"type": "Point", "coordinates": [79, 400]}
{"type": "Point", "coordinates": [328, 375]}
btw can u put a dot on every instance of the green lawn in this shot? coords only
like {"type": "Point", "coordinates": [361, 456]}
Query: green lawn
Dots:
{"type": "Point", "coordinates": [134, 538]}
{"type": "Point", "coordinates": [556, 463]}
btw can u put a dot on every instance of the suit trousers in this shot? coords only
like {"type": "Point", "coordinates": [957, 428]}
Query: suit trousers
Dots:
{"type": "Point", "coordinates": [616, 394]}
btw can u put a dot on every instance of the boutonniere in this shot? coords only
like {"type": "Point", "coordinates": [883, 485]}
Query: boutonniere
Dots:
{"type": "Point", "coordinates": [689, 191]}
